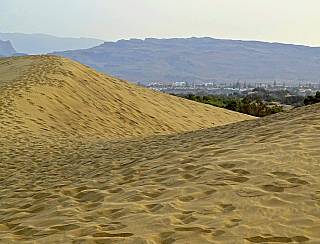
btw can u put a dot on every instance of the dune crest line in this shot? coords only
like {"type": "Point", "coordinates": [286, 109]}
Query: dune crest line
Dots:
{"type": "Point", "coordinates": [51, 94]}
{"type": "Point", "coordinates": [70, 178]}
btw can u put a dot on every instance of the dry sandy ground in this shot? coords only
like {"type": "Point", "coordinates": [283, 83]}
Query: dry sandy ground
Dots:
{"type": "Point", "coordinates": [53, 95]}
{"type": "Point", "coordinates": [251, 182]}
{"type": "Point", "coordinates": [255, 181]}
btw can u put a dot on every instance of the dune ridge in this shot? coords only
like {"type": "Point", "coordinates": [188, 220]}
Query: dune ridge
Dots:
{"type": "Point", "coordinates": [254, 181]}
{"type": "Point", "coordinates": [52, 95]}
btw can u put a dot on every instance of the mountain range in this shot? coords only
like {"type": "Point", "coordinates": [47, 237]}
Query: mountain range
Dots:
{"type": "Point", "coordinates": [43, 44]}
{"type": "Point", "coordinates": [202, 60]}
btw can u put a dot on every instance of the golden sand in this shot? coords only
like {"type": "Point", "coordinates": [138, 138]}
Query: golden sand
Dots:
{"type": "Point", "coordinates": [255, 181]}
{"type": "Point", "coordinates": [50, 95]}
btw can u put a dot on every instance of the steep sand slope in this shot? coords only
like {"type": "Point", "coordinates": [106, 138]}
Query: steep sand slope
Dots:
{"type": "Point", "coordinates": [255, 181]}
{"type": "Point", "coordinates": [51, 95]}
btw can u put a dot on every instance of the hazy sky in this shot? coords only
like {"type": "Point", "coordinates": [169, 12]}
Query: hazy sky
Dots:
{"type": "Point", "coordinates": [287, 21]}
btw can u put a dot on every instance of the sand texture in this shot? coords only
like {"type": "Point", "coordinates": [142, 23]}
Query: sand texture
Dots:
{"type": "Point", "coordinates": [50, 95]}
{"type": "Point", "coordinates": [255, 181]}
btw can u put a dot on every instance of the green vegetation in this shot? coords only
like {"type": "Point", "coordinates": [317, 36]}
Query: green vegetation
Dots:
{"type": "Point", "coordinates": [280, 96]}
{"type": "Point", "coordinates": [312, 99]}
{"type": "Point", "coordinates": [233, 102]}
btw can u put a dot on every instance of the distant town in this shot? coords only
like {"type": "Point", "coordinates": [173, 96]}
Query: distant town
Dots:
{"type": "Point", "coordinates": [305, 89]}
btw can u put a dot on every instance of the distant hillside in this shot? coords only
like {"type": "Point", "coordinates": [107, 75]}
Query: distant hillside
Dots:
{"type": "Point", "coordinates": [6, 49]}
{"type": "Point", "coordinates": [50, 95]}
{"type": "Point", "coordinates": [203, 60]}
{"type": "Point", "coordinates": [43, 44]}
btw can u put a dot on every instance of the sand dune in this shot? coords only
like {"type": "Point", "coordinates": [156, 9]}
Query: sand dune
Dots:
{"type": "Point", "coordinates": [255, 181]}
{"type": "Point", "coordinates": [49, 95]}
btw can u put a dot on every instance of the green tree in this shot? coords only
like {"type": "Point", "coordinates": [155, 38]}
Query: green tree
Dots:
{"type": "Point", "coordinates": [312, 99]}
{"type": "Point", "coordinates": [232, 105]}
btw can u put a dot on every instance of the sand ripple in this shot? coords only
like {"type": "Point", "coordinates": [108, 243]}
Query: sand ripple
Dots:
{"type": "Point", "coordinates": [231, 184]}
{"type": "Point", "coordinates": [255, 181]}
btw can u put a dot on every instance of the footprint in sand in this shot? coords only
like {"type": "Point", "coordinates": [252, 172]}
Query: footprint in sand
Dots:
{"type": "Point", "coordinates": [186, 217]}
{"type": "Point", "coordinates": [241, 171]}
{"type": "Point", "coordinates": [277, 239]}
{"type": "Point", "coordinates": [239, 179]}
{"type": "Point", "coordinates": [227, 165]}
{"type": "Point", "coordinates": [298, 181]}
{"type": "Point", "coordinates": [106, 234]}
{"type": "Point", "coordinates": [186, 198]}
{"type": "Point", "coordinates": [193, 229]}
{"type": "Point", "coordinates": [65, 227]}
{"type": "Point", "coordinates": [250, 192]}
{"type": "Point", "coordinates": [154, 207]}
{"type": "Point", "coordinates": [232, 223]}
{"type": "Point", "coordinates": [283, 174]}
{"type": "Point", "coordinates": [227, 207]}
{"type": "Point", "coordinates": [115, 190]}
{"type": "Point", "coordinates": [272, 188]}
{"type": "Point", "coordinates": [154, 193]}
{"type": "Point", "coordinates": [291, 178]}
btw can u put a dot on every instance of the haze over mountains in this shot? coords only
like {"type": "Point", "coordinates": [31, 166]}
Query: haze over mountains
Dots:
{"type": "Point", "coordinates": [202, 60]}
{"type": "Point", "coordinates": [88, 158]}
{"type": "Point", "coordinates": [194, 60]}
{"type": "Point", "coordinates": [43, 44]}
{"type": "Point", "coordinates": [6, 49]}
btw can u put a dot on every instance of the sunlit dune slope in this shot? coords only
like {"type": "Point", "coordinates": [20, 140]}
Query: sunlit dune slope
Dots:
{"type": "Point", "coordinates": [52, 95]}
{"type": "Point", "coordinates": [256, 181]}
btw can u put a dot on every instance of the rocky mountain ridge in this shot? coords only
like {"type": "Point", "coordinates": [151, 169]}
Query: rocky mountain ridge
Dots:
{"type": "Point", "coordinates": [202, 60]}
